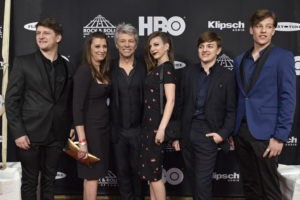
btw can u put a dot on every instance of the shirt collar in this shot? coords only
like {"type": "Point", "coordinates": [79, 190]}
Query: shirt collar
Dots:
{"type": "Point", "coordinates": [211, 70]}
{"type": "Point", "coordinates": [260, 53]}
{"type": "Point", "coordinates": [46, 60]}
{"type": "Point", "coordinates": [133, 65]}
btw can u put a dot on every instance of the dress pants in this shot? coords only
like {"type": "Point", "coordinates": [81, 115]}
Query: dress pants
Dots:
{"type": "Point", "coordinates": [260, 180]}
{"type": "Point", "coordinates": [39, 158]}
{"type": "Point", "coordinates": [126, 156]}
{"type": "Point", "coordinates": [199, 158]}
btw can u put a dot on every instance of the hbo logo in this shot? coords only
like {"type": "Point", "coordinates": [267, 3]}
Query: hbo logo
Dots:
{"type": "Point", "coordinates": [175, 25]}
{"type": "Point", "coordinates": [173, 176]}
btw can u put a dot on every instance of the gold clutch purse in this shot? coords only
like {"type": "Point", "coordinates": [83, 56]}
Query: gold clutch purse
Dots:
{"type": "Point", "coordinates": [72, 149]}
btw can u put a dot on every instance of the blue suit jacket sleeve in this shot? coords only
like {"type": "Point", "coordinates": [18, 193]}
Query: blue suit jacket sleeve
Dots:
{"type": "Point", "coordinates": [287, 96]}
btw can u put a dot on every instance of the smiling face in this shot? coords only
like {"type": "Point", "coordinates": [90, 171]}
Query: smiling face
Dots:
{"type": "Point", "coordinates": [262, 32]}
{"type": "Point", "coordinates": [98, 50]}
{"type": "Point", "coordinates": [126, 45]}
{"type": "Point", "coordinates": [208, 52]}
{"type": "Point", "coordinates": [47, 39]}
{"type": "Point", "coordinates": [159, 50]}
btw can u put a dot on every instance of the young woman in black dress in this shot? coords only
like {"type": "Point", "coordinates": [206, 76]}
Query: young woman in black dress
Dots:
{"type": "Point", "coordinates": [158, 54]}
{"type": "Point", "coordinates": [90, 111]}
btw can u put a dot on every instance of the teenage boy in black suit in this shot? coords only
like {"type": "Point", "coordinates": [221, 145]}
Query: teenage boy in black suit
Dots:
{"type": "Point", "coordinates": [207, 105]}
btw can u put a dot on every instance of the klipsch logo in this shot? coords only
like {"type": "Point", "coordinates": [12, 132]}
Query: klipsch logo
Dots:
{"type": "Point", "coordinates": [175, 25]}
{"type": "Point", "coordinates": [101, 24]}
{"type": "Point", "coordinates": [173, 176]}
{"type": "Point", "coordinates": [60, 175]}
{"type": "Point", "coordinates": [109, 180]}
{"type": "Point", "coordinates": [225, 61]}
{"type": "Point", "coordinates": [237, 26]}
{"type": "Point", "coordinates": [297, 65]}
{"type": "Point", "coordinates": [287, 26]}
{"type": "Point", "coordinates": [30, 26]}
{"type": "Point", "coordinates": [234, 177]}
{"type": "Point", "coordinates": [1, 33]}
{"type": "Point", "coordinates": [292, 142]}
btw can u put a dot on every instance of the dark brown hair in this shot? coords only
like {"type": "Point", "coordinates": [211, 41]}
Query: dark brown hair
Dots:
{"type": "Point", "coordinates": [166, 38]}
{"type": "Point", "coordinates": [210, 37]}
{"type": "Point", "coordinates": [52, 24]}
{"type": "Point", "coordinates": [260, 15]}
{"type": "Point", "coordinates": [103, 74]}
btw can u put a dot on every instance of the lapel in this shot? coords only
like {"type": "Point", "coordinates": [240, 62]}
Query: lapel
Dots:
{"type": "Point", "coordinates": [215, 77]}
{"type": "Point", "coordinates": [62, 81]}
{"type": "Point", "coordinates": [260, 65]}
{"type": "Point", "coordinates": [41, 66]}
{"type": "Point", "coordinates": [242, 73]}
{"type": "Point", "coordinates": [195, 81]}
{"type": "Point", "coordinates": [239, 80]}
{"type": "Point", "coordinates": [258, 68]}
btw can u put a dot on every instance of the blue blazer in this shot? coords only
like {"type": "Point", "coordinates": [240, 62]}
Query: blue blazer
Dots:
{"type": "Point", "coordinates": [270, 103]}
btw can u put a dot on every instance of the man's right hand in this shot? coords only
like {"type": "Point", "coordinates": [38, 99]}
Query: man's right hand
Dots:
{"type": "Point", "coordinates": [23, 142]}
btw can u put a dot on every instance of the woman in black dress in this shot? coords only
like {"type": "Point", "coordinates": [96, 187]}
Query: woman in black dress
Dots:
{"type": "Point", "coordinates": [90, 111]}
{"type": "Point", "coordinates": [158, 54]}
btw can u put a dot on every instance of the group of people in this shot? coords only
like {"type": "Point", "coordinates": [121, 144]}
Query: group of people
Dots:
{"type": "Point", "coordinates": [251, 108]}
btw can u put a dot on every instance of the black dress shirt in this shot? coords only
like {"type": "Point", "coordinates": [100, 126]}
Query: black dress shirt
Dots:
{"type": "Point", "coordinates": [203, 84]}
{"type": "Point", "coordinates": [55, 70]}
{"type": "Point", "coordinates": [250, 65]}
{"type": "Point", "coordinates": [129, 98]}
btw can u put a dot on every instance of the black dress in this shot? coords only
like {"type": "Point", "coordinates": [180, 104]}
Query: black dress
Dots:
{"type": "Point", "coordinates": [151, 156]}
{"type": "Point", "coordinates": [90, 109]}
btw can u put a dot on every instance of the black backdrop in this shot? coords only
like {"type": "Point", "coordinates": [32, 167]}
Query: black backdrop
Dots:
{"type": "Point", "coordinates": [185, 20]}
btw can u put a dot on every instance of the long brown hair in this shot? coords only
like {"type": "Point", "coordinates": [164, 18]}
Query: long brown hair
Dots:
{"type": "Point", "coordinates": [166, 38]}
{"type": "Point", "coordinates": [103, 74]}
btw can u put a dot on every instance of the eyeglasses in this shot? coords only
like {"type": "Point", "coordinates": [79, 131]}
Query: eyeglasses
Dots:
{"type": "Point", "coordinates": [268, 26]}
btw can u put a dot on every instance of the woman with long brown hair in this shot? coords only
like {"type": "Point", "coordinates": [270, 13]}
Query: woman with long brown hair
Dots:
{"type": "Point", "coordinates": [159, 58]}
{"type": "Point", "coordinates": [90, 110]}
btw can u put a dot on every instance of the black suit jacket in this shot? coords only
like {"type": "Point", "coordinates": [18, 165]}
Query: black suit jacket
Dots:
{"type": "Point", "coordinates": [32, 107]}
{"type": "Point", "coordinates": [138, 79]}
{"type": "Point", "coordinates": [220, 102]}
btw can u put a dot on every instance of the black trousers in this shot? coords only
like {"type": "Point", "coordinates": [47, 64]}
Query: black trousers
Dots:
{"type": "Point", "coordinates": [260, 180]}
{"type": "Point", "coordinates": [126, 152]}
{"type": "Point", "coordinates": [44, 159]}
{"type": "Point", "coordinates": [200, 158]}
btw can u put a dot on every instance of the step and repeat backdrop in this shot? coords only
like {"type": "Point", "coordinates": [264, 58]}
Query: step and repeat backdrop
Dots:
{"type": "Point", "coordinates": [184, 20]}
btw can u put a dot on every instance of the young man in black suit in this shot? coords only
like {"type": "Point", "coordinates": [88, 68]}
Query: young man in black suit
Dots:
{"type": "Point", "coordinates": [128, 75]}
{"type": "Point", "coordinates": [38, 106]}
{"type": "Point", "coordinates": [207, 105]}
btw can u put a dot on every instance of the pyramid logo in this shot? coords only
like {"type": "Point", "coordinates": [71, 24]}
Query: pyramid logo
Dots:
{"type": "Point", "coordinates": [225, 61]}
{"type": "Point", "coordinates": [109, 180]}
{"type": "Point", "coordinates": [99, 23]}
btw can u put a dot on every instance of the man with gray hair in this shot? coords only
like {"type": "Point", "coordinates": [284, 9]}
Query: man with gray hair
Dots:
{"type": "Point", "coordinates": [127, 75]}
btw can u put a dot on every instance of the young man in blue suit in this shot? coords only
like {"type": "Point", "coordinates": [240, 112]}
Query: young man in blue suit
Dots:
{"type": "Point", "coordinates": [266, 102]}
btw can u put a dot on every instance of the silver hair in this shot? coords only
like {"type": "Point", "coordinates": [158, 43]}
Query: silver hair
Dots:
{"type": "Point", "coordinates": [126, 28]}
